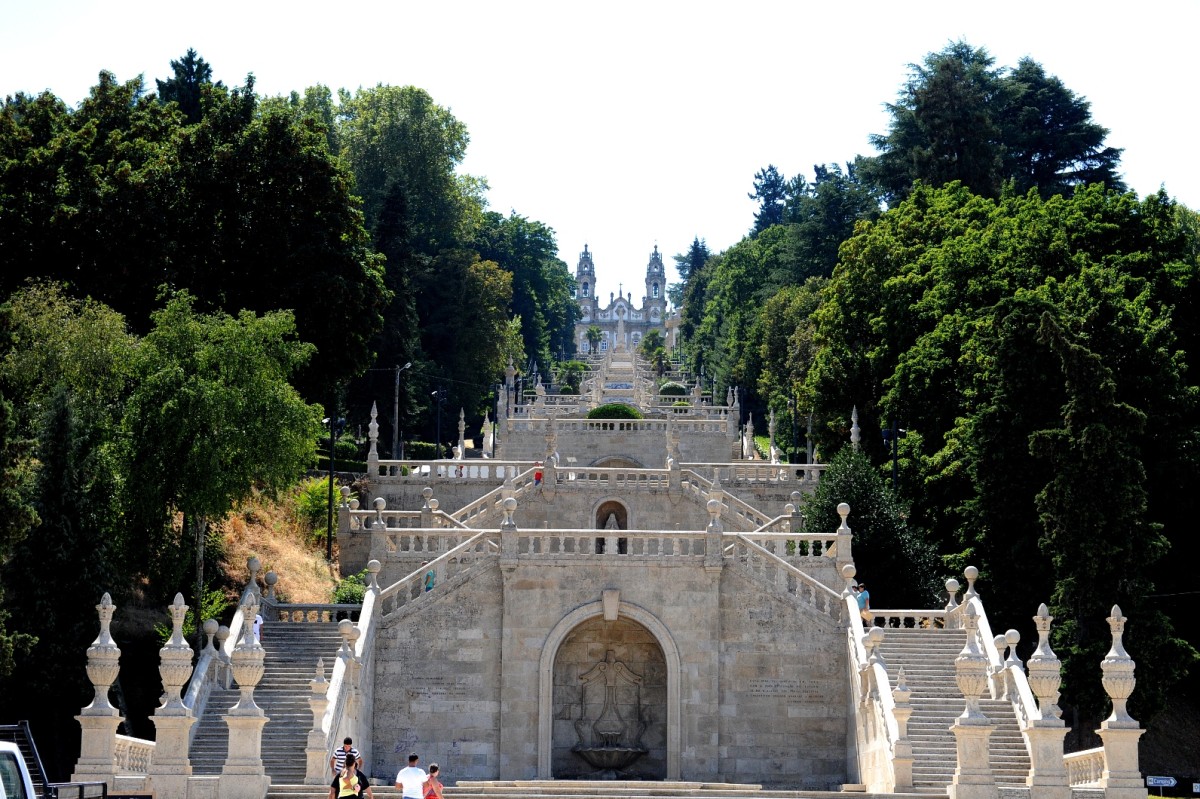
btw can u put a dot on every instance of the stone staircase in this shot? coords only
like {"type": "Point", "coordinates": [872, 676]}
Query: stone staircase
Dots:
{"type": "Point", "coordinates": [585, 789]}
{"type": "Point", "coordinates": [927, 656]}
{"type": "Point", "coordinates": [291, 661]}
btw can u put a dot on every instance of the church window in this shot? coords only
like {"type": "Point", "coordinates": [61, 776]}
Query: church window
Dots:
{"type": "Point", "coordinates": [656, 291]}
{"type": "Point", "coordinates": [585, 289]}
{"type": "Point", "coordinates": [603, 344]}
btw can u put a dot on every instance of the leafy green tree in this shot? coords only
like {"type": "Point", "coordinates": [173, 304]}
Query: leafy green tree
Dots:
{"type": "Point", "coordinates": [938, 315]}
{"type": "Point", "coordinates": [541, 293]}
{"type": "Point", "coordinates": [651, 348]}
{"type": "Point", "coordinates": [899, 567]}
{"type": "Point", "coordinates": [187, 86]}
{"type": "Point", "coordinates": [16, 517]}
{"type": "Point", "coordinates": [212, 417]}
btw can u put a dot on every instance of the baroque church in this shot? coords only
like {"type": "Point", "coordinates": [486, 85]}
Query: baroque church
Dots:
{"type": "Point", "coordinates": [638, 320]}
{"type": "Point", "coordinates": [607, 608]}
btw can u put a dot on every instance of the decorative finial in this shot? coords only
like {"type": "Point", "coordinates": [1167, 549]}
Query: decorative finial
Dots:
{"type": "Point", "coordinates": [855, 433]}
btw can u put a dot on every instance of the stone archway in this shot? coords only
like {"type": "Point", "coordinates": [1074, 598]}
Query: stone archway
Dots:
{"type": "Point", "coordinates": [548, 712]}
{"type": "Point", "coordinates": [616, 509]}
{"type": "Point", "coordinates": [609, 694]}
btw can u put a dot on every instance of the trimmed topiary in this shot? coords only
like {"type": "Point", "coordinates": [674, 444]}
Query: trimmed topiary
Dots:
{"type": "Point", "coordinates": [673, 389]}
{"type": "Point", "coordinates": [615, 410]}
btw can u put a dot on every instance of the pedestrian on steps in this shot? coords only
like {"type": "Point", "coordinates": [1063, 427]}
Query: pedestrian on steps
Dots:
{"type": "Point", "coordinates": [863, 598]}
{"type": "Point", "coordinates": [412, 778]}
{"type": "Point", "coordinates": [345, 752]}
{"type": "Point", "coordinates": [350, 783]}
{"type": "Point", "coordinates": [432, 789]}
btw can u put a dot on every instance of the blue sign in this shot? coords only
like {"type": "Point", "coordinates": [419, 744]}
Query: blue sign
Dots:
{"type": "Point", "coordinates": [1160, 782]}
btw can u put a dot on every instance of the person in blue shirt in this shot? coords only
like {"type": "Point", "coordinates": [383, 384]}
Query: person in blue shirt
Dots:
{"type": "Point", "coordinates": [863, 597]}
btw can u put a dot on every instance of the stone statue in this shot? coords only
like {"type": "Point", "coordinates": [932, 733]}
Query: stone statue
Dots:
{"type": "Point", "coordinates": [611, 523]}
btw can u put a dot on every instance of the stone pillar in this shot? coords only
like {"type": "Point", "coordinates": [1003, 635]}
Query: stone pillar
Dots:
{"type": "Point", "coordinates": [426, 508]}
{"type": "Point", "coordinates": [1122, 778]}
{"type": "Point", "coordinates": [843, 551]}
{"type": "Point", "coordinates": [373, 438]}
{"type": "Point", "coordinates": [714, 558]}
{"type": "Point", "coordinates": [462, 433]}
{"type": "Point", "coordinates": [254, 566]}
{"type": "Point", "coordinates": [973, 777]}
{"type": "Point", "coordinates": [508, 535]}
{"type": "Point", "coordinates": [855, 432]}
{"type": "Point", "coordinates": [797, 523]}
{"type": "Point", "coordinates": [170, 766]}
{"type": "Point", "coordinates": [317, 761]}
{"type": "Point", "coordinates": [972, 574]}
{"type": "Point", "coordinates": [243, 776]}
{"type": "Point", "coordinates": [902, 756]}
{"type": "Point", "coordinates": [1047, 772]}
{"type": "Point", "coordinates": [99, 720]}
{"type": "Point", "coordinates": [952, 587]}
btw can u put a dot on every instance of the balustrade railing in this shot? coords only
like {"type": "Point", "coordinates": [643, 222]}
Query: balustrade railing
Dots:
{"type": "Point", "coordinates": [132, 756]}
{"type": "Point", "coordinates": [447, 566]}
{"type": "Point", "coordinates": [483, 470]}
{"type": "Point", "coordinates": [910, 619]}
{"type": "Point", "coordinates": [610, 543]}
{"type": "Point", "coordinates": [799, 549]}
{"type": "Point", "coordinates": [880, 741]}
{"type": "Point", "coordinates": [783, 575]}
{"type": "Point", "coordinates": [1085, 768]}
{"type": "Point", "coordinates": [622, 478]}
{"type": "Point", "coordinates": [309, 613]}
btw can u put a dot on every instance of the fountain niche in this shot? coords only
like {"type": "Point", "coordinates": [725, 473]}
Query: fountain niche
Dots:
{"type": "Point", "coordinates": [605, 727]}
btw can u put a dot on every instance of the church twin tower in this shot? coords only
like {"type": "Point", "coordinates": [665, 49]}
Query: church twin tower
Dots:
{"type": "Point", "coordinates": [652, 315]}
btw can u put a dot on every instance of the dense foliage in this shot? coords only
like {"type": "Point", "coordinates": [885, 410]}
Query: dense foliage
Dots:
{"type": "Point", "coordinates": [615, 410]}
{"type": "Point", "coordinates": [1020, 328]}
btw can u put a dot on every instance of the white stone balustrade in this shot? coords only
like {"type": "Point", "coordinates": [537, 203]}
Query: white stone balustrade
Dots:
{"type": "Point", "coordinates": [973, 778]}
{"type": "Point", "coordinates": [243, 776]}
{"type": "Point", "coordinates": [132, 755]}
{"type": "Point", "coordinates": [1044, 730]}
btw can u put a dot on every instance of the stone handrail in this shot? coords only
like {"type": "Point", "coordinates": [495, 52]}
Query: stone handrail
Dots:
{"type": "Point", "coordinates": [450, 564]}
{"type": "Point", "coordinates": [132, 756]}
{"type": "Point", "coordinates": [472, 469]}
{"type": "Point", "coordinates": [477, 510]}
{"type": "Point", "coordinates": [312, 613]}
{"type": "Point", "coordinates": [909, 618]}
{"type": "Point", "coordinates": [399, 519]}
{"type": "Point", "coordinates": [785, 576]}
{"type": "Point", "coordinates": [760, 471]}
{"type": "Point", "coordinates": [336, 723]}
{"type": "Point", "coordinates": [614, 477]}
{"type": "Point", "coordinates": [734, 511]}
{"type": "Point", "coordinates": [795, 548]}
{"type": "Point", "coordinates": [871, 694]}
{"type": "Point", "coordinates": [1086, 767]}
{"type": "Point", "coordinates": [608, 543]}
{"type": "Point", "coordinates": [213, 663]}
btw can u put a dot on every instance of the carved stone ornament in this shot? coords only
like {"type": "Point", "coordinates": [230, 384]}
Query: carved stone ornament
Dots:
{"type": "Point", "coordinates": [175, 661]}
{"type": "Point", "coordinates": [103, 661]}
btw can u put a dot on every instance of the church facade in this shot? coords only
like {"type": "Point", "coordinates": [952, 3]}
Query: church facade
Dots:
{"type": "Point", "coordinates": [638, 319]}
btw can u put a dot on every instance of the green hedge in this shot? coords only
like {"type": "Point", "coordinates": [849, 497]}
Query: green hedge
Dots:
{"type": "Point", "coordinates": [673, 389]}
{"type": "Point", "coordinates": [615, 410]}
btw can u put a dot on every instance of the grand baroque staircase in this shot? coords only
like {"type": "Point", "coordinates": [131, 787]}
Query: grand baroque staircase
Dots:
{"type": "Point", "coordinates": [927, 656]}
{"type": "Point", "coordinates": [291, 660]}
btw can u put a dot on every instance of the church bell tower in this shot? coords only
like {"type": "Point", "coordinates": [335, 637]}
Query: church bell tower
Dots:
{"type": "Point", "coordinates": [655, 301]}
{"type": "Point", "coordinates": [585, 286]}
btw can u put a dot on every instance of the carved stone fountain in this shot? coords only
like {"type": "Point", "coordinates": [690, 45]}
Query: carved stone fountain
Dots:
{"type": "Point", "coordinates": [609, 741]}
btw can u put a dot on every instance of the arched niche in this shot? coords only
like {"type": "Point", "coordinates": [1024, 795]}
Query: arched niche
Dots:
{"type": "Point", "coordinates": [670, 653]}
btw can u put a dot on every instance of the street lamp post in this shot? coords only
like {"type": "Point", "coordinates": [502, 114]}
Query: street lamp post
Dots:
{"type": "Point", "coordinates": [795, 427]}
{"type": "Point", "coordinates": [396, 412]}
{"type": "Point", "coordinates": [333, 428]}
{"type": "Point", "coordinates": [439, 397]}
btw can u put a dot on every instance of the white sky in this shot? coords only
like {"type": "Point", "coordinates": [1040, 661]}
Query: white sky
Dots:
{"type": "Point", "coordinates": [629, 124]}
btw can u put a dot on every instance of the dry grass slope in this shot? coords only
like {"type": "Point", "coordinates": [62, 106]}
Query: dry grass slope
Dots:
{"type": "Point", "coordinates": [272, 531]}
